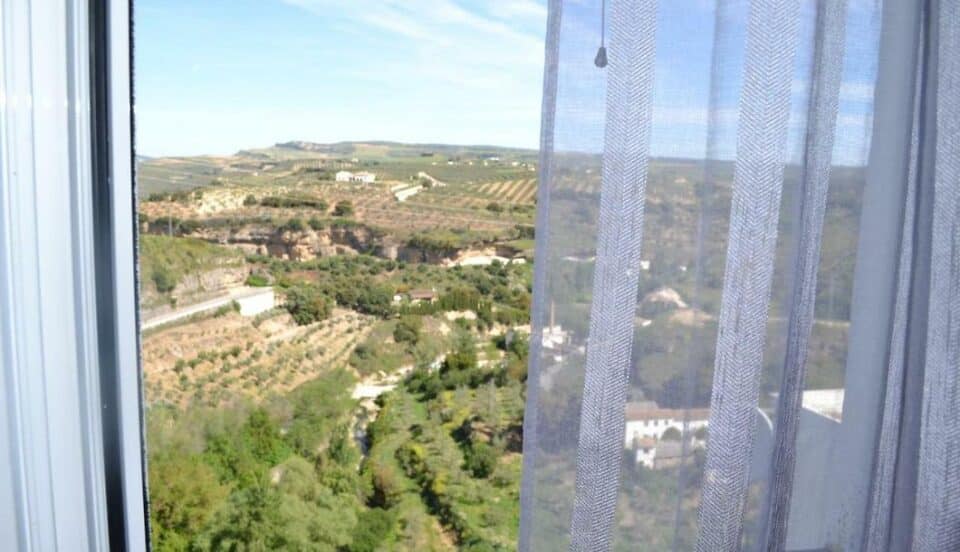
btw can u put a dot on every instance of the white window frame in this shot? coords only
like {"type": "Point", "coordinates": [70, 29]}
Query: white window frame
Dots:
{"type": "Point", "coordinates": [71, 445]}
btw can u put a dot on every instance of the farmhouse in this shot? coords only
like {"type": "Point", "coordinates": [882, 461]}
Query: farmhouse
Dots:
{"type": "Point", "coordinates": [646, 433]}
{"type": "Point", "coordinates": [423, 296]}
{"type": "Point", "coordinates": [361, 177]}
{"type": "Point", "coordinates": [646, 419]}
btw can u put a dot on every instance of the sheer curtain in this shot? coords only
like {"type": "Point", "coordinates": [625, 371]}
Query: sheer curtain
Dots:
{"type": "Point", "coordinates": [746, 319]}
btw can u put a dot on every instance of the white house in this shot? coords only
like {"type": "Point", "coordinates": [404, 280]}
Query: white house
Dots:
{"type": "Point", "coordinates": [646, 425]}
{"type": "Point", "coordinates": [647, 420]}
{"type": "Point", "coordinates": [365, 177]}
{"type": "Point", "coordinates": [554, 337]}
{"type": "Point", "coordinates": [362, 177]}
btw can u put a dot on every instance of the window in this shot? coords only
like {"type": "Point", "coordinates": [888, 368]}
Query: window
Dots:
{"type": "Point", "coordinates": [744, 234]}
{"type": "Point", "coordinates": [336, 241]}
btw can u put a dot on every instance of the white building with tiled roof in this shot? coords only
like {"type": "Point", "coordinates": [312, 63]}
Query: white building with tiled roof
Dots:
{"type": "Point", "coordinates": [647, 420]}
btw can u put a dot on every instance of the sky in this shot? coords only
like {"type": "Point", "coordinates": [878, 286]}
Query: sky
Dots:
{"type": "Point", "coordinates": [217, 76]}
{"type": "Point", "coordinates": [688, 33]}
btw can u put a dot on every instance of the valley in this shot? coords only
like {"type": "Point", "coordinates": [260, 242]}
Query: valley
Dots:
{"type": "Point", "coordinates": [375, 400]}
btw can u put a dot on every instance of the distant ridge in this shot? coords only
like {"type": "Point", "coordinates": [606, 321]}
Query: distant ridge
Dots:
{"type": "Point", "coordinates": [342, 147]}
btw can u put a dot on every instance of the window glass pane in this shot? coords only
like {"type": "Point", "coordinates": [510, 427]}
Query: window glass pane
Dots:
{"type": "Point", "coordinates": [336, 210]}
{"type": "Point", "coordinates": [695, 118]}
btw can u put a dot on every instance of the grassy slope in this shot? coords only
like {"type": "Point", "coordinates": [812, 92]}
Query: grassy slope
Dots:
{"type": "Point", "coordinates": [184, 255]}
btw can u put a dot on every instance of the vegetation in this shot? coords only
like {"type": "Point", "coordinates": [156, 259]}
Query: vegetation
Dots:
{"type": "Point", "coordinates": [343, 209]}
{"type": "Point", "coordinates": [288, 202]}
{"type": "Point", "coordinates": [307, 305]}
{"type": "Point", "coordinates": [253, 419]}
{"type": "Point", "coordinates": [168, 260]}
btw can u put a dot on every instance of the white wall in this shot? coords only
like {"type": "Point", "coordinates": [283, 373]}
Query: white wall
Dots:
{"type": "Point", "coordinates": [654, 428]}
{"type": "Point", "coordinates": [252, 305]}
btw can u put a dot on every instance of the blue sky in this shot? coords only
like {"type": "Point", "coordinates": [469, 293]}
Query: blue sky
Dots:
{"type": "Point", "coordinates": [682, 79]}
{"type": "Point", "coordinates": [216, 76]}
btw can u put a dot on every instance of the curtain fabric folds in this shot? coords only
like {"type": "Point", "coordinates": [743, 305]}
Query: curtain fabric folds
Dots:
{"type": "Point", "coordinates": [747, 284]}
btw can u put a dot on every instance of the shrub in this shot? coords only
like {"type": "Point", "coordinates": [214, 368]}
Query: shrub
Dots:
{"type": "Point", "coordinates": [387, 488]}
{"type": "Point", "coordinates": [307, 305]}
{"type": "Point", "coordinates": [257, 280]}
{"type": "Point", "coordinates": [164, 278]}
{"type": "Point", "coordinates": [249, 201]}
{"type": "Point", "coordinates": [408, 329]}
{"type": "Point", "coordinates": [481, 460]}
{"type": "Point", "coordinates": [294, 225]}
{"type": "Point", "coordinates": [372, 528]}
{"type": "Point", "coordinates": [343, 209]}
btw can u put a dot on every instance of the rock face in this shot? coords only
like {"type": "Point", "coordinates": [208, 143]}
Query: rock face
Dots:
{"type": "Point", "coordinates": [301, 245]}
{"type": "Point", "coordinates": [264, 238]}
{"type": "Point", "coordinates": [192, 288]}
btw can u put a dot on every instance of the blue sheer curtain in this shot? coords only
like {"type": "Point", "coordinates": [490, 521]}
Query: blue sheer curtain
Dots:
{"type": "Point", "coordinates": [747, 287]}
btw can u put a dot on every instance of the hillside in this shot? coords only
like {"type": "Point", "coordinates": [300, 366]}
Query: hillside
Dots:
{"type": "Point", "coordinates": [378, 406]}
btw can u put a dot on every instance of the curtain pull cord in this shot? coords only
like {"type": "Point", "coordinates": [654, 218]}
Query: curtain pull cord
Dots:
{"type": "Point", "coordinates": [601, 59]}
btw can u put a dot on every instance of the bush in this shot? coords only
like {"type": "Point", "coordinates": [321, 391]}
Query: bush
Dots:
{"type": "Point", "coordinates": [294, 225]}
{"type": "Point", "coordinates": [387, 487]}
{"type": "Point", "coordinates": [164, 278]}
{"type": "Point", "coordinates": [343, 209]}
{"type": "Point", "coordinates": [408, 329]}
{"type": "Point", "coordinates": [494, 207]}
{"type": "Point", "coordinates": [372, 528]}
{"type": "Point", "coordinates": [294, 201]}
{"type": "Point", "coordinates": [481, 460]}
{"type": "Point", "coordinates": [307, 305]}
{"type": "Point", "coordinates": [232, 306]}
{"type": "Point", "coordinates": [257, 280]}
{"type": "Point", "coordinates": [249, 201]}
{"type": "Point", "coordinates": [189, 226]}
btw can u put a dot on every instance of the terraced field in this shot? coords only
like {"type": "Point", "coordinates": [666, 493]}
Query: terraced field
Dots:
{"type": "Point", "coordinates": [221, 359]}
{"type": "Point", "coordinates": [373, 205]}
{"type": "Point", "coordinates": [511, 191]}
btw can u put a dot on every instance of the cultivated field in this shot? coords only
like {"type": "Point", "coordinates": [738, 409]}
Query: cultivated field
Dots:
{"type": "Point", "coordinates": [229, 357]}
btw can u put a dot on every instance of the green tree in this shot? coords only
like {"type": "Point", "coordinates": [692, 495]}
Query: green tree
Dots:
{"type": "Point", "coordinates": [262, 436]}
{"type": "Point", "coordinates": [252, 520]}
{"type": "Point", "coordinates": [481, 459]}
{"type": "Point", "coordinates": [372, 528]}
{"type": "Point", "coordinates": [387, 489]}
{"type": "Point", "coordinates": [307, 305]}
{"type": "Point", "coordinates": [184, 493]}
